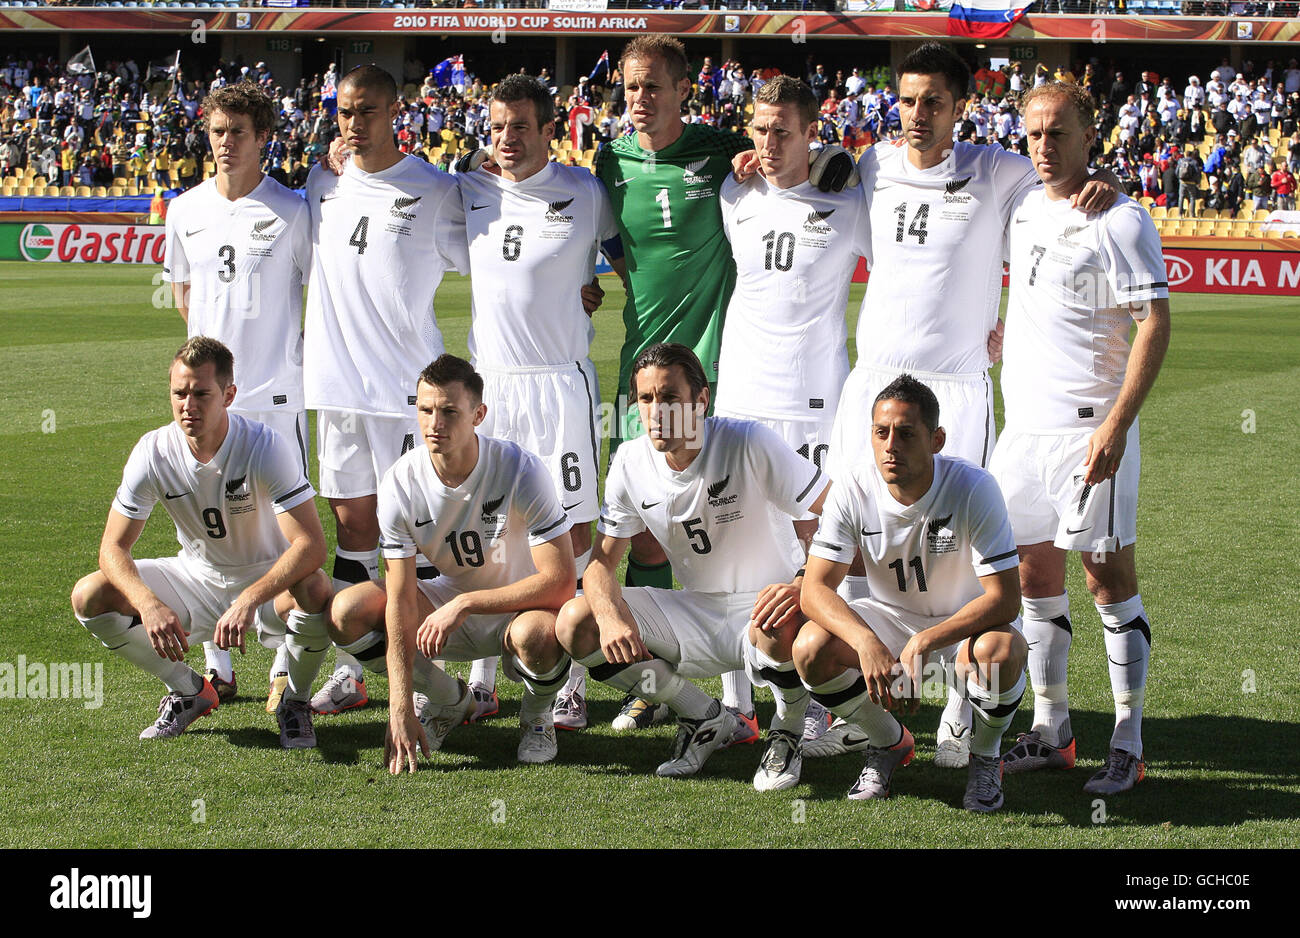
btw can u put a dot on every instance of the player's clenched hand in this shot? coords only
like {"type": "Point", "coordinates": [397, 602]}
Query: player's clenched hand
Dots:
{"type": "Point", "coordinates": [995, 342]}
{"type": "Point", "coordinates": [165, 632]}
{"type": "Point", "coordinates": [744, 165]}
{"type": "Point", "coordinates": [336, 157]}
{"type": "Point", "coordinates": [436, 629]}
{"type": "Point", "coordinates": [234, 625]}
{"type": "Point", "coordinates": [1105, 450]}
{"type": "Point", "coordinates": [1095, 196]}
{"type": "Point", "coordinates": [621, 643]}
{"type": "Point", "coordinates": [404, 740]}
{"type": "Point", "coordinates": [593, 294]}
{"type": "Point", "coordinates": [879, 668]}
{"type": "Point", "coordinates": [776, 607]}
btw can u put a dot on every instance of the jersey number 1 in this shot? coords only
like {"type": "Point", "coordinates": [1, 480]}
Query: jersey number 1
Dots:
{"type": "Point", "coordinates": [662, 199]}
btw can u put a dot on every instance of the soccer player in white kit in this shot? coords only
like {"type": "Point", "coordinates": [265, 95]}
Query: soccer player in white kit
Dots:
{"type": "Point", "coordinates": [941, 565]}
{"type": "Point", "coordinates": [246, 520]}
{"type": "Point", "coordinates": [383, 233]}
{"type": "Point", "coordinates": [485, 513]}
{"type": "Point", "coordinates": [706, 488]}
{"type": "Point", "coordinates": [1068, 459]}
{"type": "Point", "coordinates": [939, 212]}
{"type": "Point", "coordinates": [784, 357]}
{"type": "Point", "coordinates": [534, 228]}
{"type": "Point", "coordinates": [238, 252]}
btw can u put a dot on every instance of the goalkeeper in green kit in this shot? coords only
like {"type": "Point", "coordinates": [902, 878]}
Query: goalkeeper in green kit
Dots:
{"type": "Point", "coordinates": [663, 184]}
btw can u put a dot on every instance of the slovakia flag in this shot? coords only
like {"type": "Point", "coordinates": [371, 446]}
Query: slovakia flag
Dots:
{"type": "Point", "coordinates": [985, 19]}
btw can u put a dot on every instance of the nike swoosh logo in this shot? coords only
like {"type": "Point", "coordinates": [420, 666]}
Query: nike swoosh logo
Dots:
{"type": "Point", "coordinates": [326, 198]}
{"type": "Point", "coordinates": [621, 182]}
{"type": "Point", "coordinates": [170, 496]}
{"type": "Point", "coordinates": [571, 507]}
{"type": "Point", "coordinates": [747, 218]}
{"type": "Point", "coordinates": [475, 208]}
{"type": "Point", "coordinates": [958, 732]}
{"type": "Point", "coordinates": [190, 234]}
{"type": "Point", "coordinates": [852, 741]}
{"type": "Point", "coordinates": [647, 507]}
{"type": "Point", "coordinates": [1021, 221]}
{"type": "Point", "coordinates": [420, 524]}
{"type": "Point", "coordinates": [1079, 531]}
{"type": "Point", "coordinates": [866, 533]}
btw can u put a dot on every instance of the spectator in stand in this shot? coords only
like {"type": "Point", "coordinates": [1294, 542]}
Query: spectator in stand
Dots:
{"type": "Point", "coordinates": [1283, 184]}
{"type": "Point", "coordinates": [1258, 186]}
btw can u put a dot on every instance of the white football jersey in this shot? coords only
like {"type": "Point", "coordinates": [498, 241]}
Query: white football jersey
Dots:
{"type": "Point", "coordinates": [937, 239]}
{"type": "Point", "coordinates": [478, 534]}
{"type": "Point", "coordinates": [246, 262]}
{"type": "Point", "coordinates": [224, 510]}
{"type": "Point", "coordinates": [923, 558]}
{"type": "Point", "coordinates": [382, 242]}
{"type": "Point", "coordinates": [532, 246]}
{"type": "Point", "coordinates": [715, 519]}
{"type": "Point", "coordinates": [1068, 319]}
{"type": "Point", "coordinates": [784, 349]}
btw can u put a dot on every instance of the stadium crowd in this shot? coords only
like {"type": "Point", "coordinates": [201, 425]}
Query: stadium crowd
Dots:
{"type": "Point", "coordinates": [1226, 142]}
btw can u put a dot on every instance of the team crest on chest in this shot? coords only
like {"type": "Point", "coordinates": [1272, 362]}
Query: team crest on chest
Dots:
{"type": "Point", "coordinates": [939, 537]}
{"type": "Point", "coordinates": [494, 521]}
{"type": "Point", "coordinates": [238, 495]}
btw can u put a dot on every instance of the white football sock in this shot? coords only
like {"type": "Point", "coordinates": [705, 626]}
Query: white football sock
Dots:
{"type": "Point", "coordinates": [845, 695]}
{"type": "Point", "coordinates": [484, 672]}
{"type": "Point", "coordinates": [1128, 650]}
{"type": "Point", "coordinates": [993, 710]}
{"type": "Point", "coordinates": [1047, 630]}
{"type": "Point", "coordinates": [783, 680]}
{"type": "Point", "coordinates": [540, 689]}
{"type": "Point", "coordinates": [577, 680]}
{"type": "Point", "coordinates": [305, 644]}
{"type": "Point", "coordinates": [117, 633]}
{"type": "Point", "coordinates": [218, 659]}
{"type": "Point", "coordinates": [280, 666]}
{"type": "Point", "coordinates": [655, 680]}
{"type": "Point", "coordinates": [738, 692]}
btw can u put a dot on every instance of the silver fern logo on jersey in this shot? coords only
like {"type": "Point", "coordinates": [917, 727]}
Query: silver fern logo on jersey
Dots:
{"type": "Point", "coordinates": [691, 174]}
{"type": "Point", "coordinates": [401, 203]}
{"type": "Point", "coordinates": [555, 211]}
{"type": "Point", "coordinates": [937, 539]}
{"type": "Point", "coordinates": [716, 498]}
{"type": "Point", "coordinates": [815, 223]}
{"type": "Point", "coordinates": [259, 230]}
{"type": "Point", "coordinates": [952, 191]}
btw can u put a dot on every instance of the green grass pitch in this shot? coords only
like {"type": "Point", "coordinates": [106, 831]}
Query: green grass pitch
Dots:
{"type": "Point", "coordinates": [83, 358]}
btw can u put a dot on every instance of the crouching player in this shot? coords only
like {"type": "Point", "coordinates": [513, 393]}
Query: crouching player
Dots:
{"type": "Point", "coordinates": [706, 488]}
{"type": "Point", "coordinates": [249, 533]}
{"type": "Point", "coordinates": [484, 512]}
{"type": "Point", "coordinates": [941, 564]}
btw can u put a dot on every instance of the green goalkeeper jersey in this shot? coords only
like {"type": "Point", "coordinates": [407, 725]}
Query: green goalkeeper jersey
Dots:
{"type": "Point", "coordinates": [679, 266]}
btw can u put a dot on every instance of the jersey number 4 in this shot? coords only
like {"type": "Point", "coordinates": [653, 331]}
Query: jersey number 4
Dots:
{"type": "Point", "coordinates": [358, 239]}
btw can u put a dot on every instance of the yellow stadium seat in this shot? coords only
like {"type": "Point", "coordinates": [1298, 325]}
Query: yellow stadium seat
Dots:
{"type": "Point", "coordinates": [23, 191]}
{"type": "Point", "coordinates": [1146, 202]}
{"type": "Point", "coordinates": [99, 192]}
{"type": "Point", "coordinates": [1209, 213]}
{"type": "Point", "coordinates": [38, 182]}
{"type": "Point", "coordinates": [51, 192]}
{"type": "Point", "coordinates": [8, 191]}
{"type": "Point", "coordinates": [132, 191]}
{"type": "Point", "coordinates": [1206, 229]}
{"type": "Point", "coordinates": [1159, 212]}
{"type": "Point", "coordinates": [1257, 229]}
{"type": "Point", "coordinates": [1174, 212]}
{"type": "Point", "coordinates": [1288, 233]}
{"type": "Point", "coordinates": [67, 192]}
{"type": "Point", "coordinates": [1246, 213]}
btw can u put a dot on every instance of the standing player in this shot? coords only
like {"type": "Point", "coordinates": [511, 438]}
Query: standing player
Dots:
{"type": "Point", "coordinates": [485, 513]}
{"type": "Point", "coordinates": [533, 228]}
{"type": "Point", "coordinates": [246, 520]}
{"type": "Point", "coordinates": [238, 253]}
{"type": "Point", "coordinates": [1068, 460]}
{"type": "Point", "coordinates": [707, 489]}
{"type": "Point", "coordinates": [939, 213]}
{"type": "Point", "coordinates": [384, 233]}
{"type": "Point", "coordinates": [941, 565]}
{"type": "Point", "coordinates": [783, 359]}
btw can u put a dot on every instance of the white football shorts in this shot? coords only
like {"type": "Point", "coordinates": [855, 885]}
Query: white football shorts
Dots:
{"type": "Point", "coordinates": [199, 602]}
{"type": "Point", "coordinates": [290, 424]}
{"type": "Point", "coordinates": [703, 634]}
{"type": "Point", "coordinates": [965, 413]}
{"type": "Point", "coordinates": [1041, 477]}
{"type": "Point", "coordinates": [554, 413]}
{"type": "Point", "coordinates": [356, 450]}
